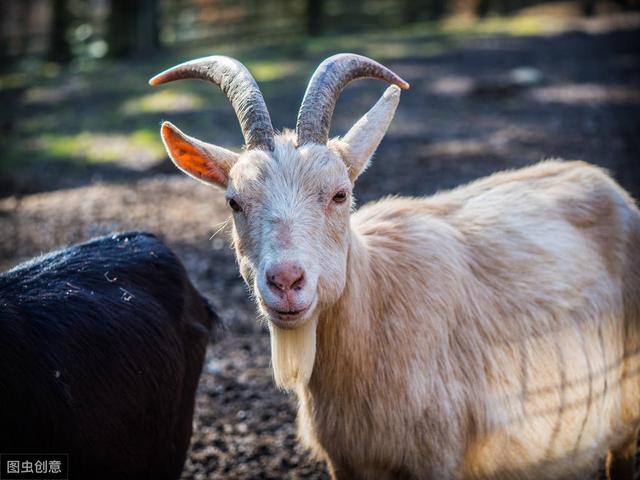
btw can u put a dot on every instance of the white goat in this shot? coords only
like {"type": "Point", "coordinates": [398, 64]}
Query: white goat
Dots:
{"type": "Point", "coordinates": [492, 331]}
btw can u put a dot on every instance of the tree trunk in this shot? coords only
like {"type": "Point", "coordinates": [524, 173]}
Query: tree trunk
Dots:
{"type": "Point", "coordinates": [416, 10]}
{"type": "Point", "coordinates": [59, 47]}
{"type": "Point", "coordinates": [482, 8]}
{"type": "Point", "coordinates": [133, 27]}
{"type": "Point", "coordinates": [4, 39]}
{"type": "Point", "coordinates": [588, 7]}
{"type": "Point", "coordinates": [148, 26]}
{"type": "Point", "coordinates": [315, 17]}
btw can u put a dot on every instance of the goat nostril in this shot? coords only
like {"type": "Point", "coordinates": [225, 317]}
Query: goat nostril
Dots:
{"type": "Point", "coordinates": [298, 284]}
{"type": "Point", "coordinates": [285, 277]}
{"type": "Point", "coordinates": [272, 282]}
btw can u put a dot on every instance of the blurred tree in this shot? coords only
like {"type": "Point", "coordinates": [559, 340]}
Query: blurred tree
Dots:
{"type": "Point", "coordinates": [59, 46]}
{"type": "Point", "coordinates": [315, 17]}
{"type": "Point", "coordinates": [588, 7]}
{"type": "Point", "coordinates": [415, 10]}
{"type": "Point", "coordinates": [132, 27]}
{"type": "Point", "coordinates": [148, 26]}
{"type": "Point", "coordinates": [482, 8]}
{"type": "Point", "coordinates": [504, 7]}
{"type": "Point", "coordinates": [4, 38]}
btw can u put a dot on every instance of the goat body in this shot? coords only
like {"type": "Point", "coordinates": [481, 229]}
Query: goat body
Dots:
{"type": "Point", "coordinates": [492, 331]}
{"type": "Point", "coordinates": [488, 332]}
{"type": "Point", "coordinates": [101, 347]}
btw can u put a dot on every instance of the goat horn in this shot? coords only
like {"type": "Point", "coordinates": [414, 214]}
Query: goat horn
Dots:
{"type": "Point", "coordinates": [331, 76]}
{"type": "Point", "coordinates": [240, 88]}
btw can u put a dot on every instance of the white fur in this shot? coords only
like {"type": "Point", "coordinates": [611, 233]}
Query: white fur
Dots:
{"type": "Point", "coordinates": [293, 353]}
{"type": "Point", "coordinates": [488, 332]}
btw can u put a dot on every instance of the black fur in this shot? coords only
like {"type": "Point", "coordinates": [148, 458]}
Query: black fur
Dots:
{"type": "Point", "coordinates": [101, 347]}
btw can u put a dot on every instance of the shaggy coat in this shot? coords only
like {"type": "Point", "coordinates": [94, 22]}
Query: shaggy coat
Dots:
{"type": "Point", "coordinates": [489, 332]}
{"type": "Point", "coordinates": [101, 347]}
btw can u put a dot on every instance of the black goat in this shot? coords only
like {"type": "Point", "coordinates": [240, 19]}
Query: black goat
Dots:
{"type": "Point", "coordinates": [101, 347]}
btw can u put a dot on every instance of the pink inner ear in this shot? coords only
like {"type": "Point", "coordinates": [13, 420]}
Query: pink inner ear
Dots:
{"type": "Point", "coordinates": [191, 158]}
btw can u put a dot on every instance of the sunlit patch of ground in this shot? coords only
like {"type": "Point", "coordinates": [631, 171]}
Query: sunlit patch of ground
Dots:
{"type": "Point", "coordinates": [268, 71]}
{"type": "Point", "coordinates": [166, 100]}
{"type": "Point", "coordinates": [587, 94]}
{"type": "Point", "coordinates": [53, 94]}
{"type": "Point", "coordinates": [137, 150]}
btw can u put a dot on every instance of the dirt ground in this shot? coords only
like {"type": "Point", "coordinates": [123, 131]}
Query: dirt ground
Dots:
{"type": "Point", "coordinates": [485, 104]}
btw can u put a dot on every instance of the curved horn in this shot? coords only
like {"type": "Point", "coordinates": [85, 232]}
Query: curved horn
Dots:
{"type": "Point", "coordinates": [331, 76]}
{"type": "Point", "coordinates": [240, 88]}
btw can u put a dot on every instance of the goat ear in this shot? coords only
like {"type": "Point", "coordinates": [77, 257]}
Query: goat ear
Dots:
{"type": "Point", "coordinates": [200, 160]}
{"type": "Point", "coordinates": [359, 144]}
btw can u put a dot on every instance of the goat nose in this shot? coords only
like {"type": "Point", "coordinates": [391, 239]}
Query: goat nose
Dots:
{"type": "Point", "coordinates": [284, 277]}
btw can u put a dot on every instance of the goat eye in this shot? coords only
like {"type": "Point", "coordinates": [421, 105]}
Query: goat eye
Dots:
{"type": "Point", "coordinates": [235, 206]}
{"type": "Point", "coordinates": [340, 196]}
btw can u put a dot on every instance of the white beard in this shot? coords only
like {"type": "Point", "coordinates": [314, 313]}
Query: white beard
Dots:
{"type": "Point", "coordinates": [293, 354]}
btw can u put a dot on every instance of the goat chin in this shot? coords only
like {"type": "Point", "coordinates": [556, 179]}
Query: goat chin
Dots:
{"type": "Point", "coordinates": [293, 353]}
